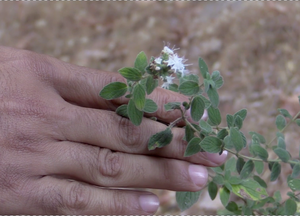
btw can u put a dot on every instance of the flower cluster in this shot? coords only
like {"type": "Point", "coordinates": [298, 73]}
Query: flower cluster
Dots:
{"type": "Point", "coordinates": [167, 65]}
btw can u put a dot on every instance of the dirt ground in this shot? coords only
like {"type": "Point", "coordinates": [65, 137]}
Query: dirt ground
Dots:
{"type": "Point", "coordinates": [255, 46]}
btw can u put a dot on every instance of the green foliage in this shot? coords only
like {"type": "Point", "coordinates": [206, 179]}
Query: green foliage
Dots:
{"type": "Point", "coordinates": [243, 174]}
{"type": "Point", "coordinates": [113, 90]}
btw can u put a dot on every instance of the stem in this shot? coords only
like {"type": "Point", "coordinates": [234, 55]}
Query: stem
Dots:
{"type": "Point", "coordinates": [283, 129]}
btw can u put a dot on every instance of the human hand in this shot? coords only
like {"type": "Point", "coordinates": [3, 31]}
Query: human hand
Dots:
{"type": "Point", "coordinates": [64, 150]}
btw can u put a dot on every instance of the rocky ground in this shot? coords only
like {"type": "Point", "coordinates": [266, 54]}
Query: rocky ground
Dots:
{"type": "Point", "coordinates": [255, 46]}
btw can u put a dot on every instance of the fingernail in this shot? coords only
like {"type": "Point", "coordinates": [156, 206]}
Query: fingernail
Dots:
{"type": "Point", "coordinates": [198, 174]}
{"type": "Point", "coordinates": [149, 203]}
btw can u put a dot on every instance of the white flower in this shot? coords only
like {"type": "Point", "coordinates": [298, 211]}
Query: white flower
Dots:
{"type": "Point", "coordinates": [167, 50]}
{"type": "Point", "coordinates": [158, 60]}
{"type": "Point", "coordinates": [177, 64]}
{"type": "Point", "coordinates": [169, 81]}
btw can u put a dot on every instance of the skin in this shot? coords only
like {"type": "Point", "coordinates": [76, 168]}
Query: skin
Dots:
{"type": "Point", "coordinates": [65, 151]}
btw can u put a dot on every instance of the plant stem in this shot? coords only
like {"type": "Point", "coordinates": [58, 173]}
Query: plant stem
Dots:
{"type": "Point", "coordinates": [283, 129]}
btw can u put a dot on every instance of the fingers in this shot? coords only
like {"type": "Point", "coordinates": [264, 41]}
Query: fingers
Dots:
{"type": "Point", "coordinates": [103, 167]}
{"type": "Point", "coordinates": [60, 196]}
{"type": "Point", "coordinates": [108, 130]}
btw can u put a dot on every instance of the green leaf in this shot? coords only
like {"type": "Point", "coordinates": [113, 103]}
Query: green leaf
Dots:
{"type": "Point", "coordinates": [150, 106]}
{"type": "Point", "coordinates": [214, 115]}
{"type": "Point", "coordinates": [260, 181]}
{"type": "Point", "coordinates": [281, 143]}
{"type": "Point", "coordinates": [282, 154]}
{"type": "Point", "coordinates": [217, 78]}
{"type": "Point", "coordinates": [193, 147]}
{"type": "Point", "coordinates": [203, 67]}
{"type": "Point", "coordinates": [113, 90]}
{"type": "Point", "coordinates": [297, 122]}
{"type": "Point", "coordinates": [205, 126]}
{"type": "Point", "coordinates": [191, 77]}
{"type": "Point", "coordinates": [134, 114]}
{"type": "Point", "coordinates": [244, 139]}
{"type": "Point", "coordinates": [160, 139]}
{"type": "Point", "coordinates": [236, 139]}
{"type": "Point", "coordinates": [296, 170]}
{"type": "Point", "coordinates": [260, 137]}
{"type": "Point", "coordinates": [277, 196]}
{"type": "Point", "coordinates": [218, 179]}
{"type": "Point", "coordinates": [186, 199]}
{"type": "Point", "coordinates": [285, 113]}
{"type": "Point", "coordinates": [290, 207]}
{"type": "Point", "coordinates": [275, 172]}
{"type": "Point", "coordinates": [230, 120]}
{"type": "Point", "coordinates": [172, 105]}
{"type": "Point", "coordinates": [122, 110]}
{"type": "Point", "coordinates": [230, 164]}
{"type": "Point", "coordinates": [238, 122]}
{"type": "Point", "coordinates": [250, 189]}
{"type": "Point", "coordinates": [173, 87]}
{"type": "Point", "coordinates": [228, 142]}
{"type": "Point", "coordinates": [211, 144]}
{"type": "Point", "coordinates": [232, 206]}
{"type": "Point", "coordinates": [212, 190]}
{"type": "Point", "coordinates": [242, 113]}
{"type": "Point", "coordinates": [294, 184]}
{"type": "Point", "coordinates": [139, 96]}
{"type": "Point", "coordinates": [131, 74]}
{"type": "Point", "coordinates": [247, 169]}
{"type": "Point", "coordinates": [234, 180]}
{"type": "Point", "coordinates": [259, 166]}
{"type": "Point", "coordinates": [259, 151]}
{"type": "Point", "coordinates": [240, 164]}
{"type": "Point", "coordinates": [206, 101]}
{"type": "Point", "coordinates": [151, 84]}
{"type": "Point", "coordinates": [189, 133]}
{"type": "Point", "coordinates": [280, 122]}
{"type": "Point", "coordinates": [213, 96]}
{"type": "Point", "coordinates": [141, 62]}
{"type": "Point", "coordinates": [197, 108]}
{"type": "Point", "coordinates": [224, 195]}
{"type": "Point", "coordinates": [189, 88]}
{"type": "Point", "coordinates": [222, 133]}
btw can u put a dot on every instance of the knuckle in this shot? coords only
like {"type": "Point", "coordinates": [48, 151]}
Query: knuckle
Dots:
{"type": "Point", "coordinates": [110, 163]}
{"type": "Point", "coordinates": [77, 197]}
{"type": "Point", "coordinates": [129, 134]}
{"type": "Point", "coordinates": [118, 203]}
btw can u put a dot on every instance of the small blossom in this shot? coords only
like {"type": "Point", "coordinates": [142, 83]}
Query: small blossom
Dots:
{"type": "Point", "coordinates": [167, 50]}
{"type": "Point", "coordinates": [158, 60]}
{"type": "Point", "coordinates": [157, 68]}
{"type": "Point", "coordinates": [177, 64]}
{"type": "Point", "coordinates": [168, 81]}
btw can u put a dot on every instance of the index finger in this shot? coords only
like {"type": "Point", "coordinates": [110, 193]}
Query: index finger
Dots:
{"type": "Point", "coordinates": [81, 86]}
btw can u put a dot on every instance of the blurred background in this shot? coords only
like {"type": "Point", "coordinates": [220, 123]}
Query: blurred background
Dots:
{"type": "Point", "coordinates": [255, 46]}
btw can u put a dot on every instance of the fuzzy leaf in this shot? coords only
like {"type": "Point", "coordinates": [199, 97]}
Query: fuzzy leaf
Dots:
{"type": "Point", "coordinates": [139, 97]}
{"type": "Point", "coordinates": [240, 164]}
{"type": "Point", "coordinates": [212, 190]}
{"type": "Point", "coordinates": [189, 88]}
{"type": "Point", "coordinates": [296, 170]}
{"type": "Point", "coordinates": [281, 143]}
{"type": "Point", "coordinates": [160, 139]}
{"type": "Point", "coordinates": [259, 151]}
{"type": "Point", "coordinates": [203, 67]}
{"type": "Point", "coordinates": [224, 195]}
{"type": "Point", "coordinates": [113, 90]}
{"type": "Point", "coordinates": [260, 181]}
{"type": "Point", "coordinates": [275, 172]}
{"type": "Point", "coordinates": [236, 139]}
{"type": "Point", "coordinates": [247, 169]}
{"type": "Point", "coordinates": [211, 144]}
{"type": "Point", "coordinates": [222, 134]}
{"type": "Point", "coordinates": [294, 184]}
{"type": "Point", "coordinates": [260, 137]}
{"type": "Point", "coordinates": [205, 126]}
{"type": "Point", "coordinates": [122, 110]}
{"type": "Point", "coordinates": [230, 164]}
{"type": "Point", "coordinates": [290, 207]}
{"type": "Point", "coordinates": [259, 166]}
{"type": "Point", "coordinates": [134, 114]}
{"type": "Point", "coordinates": [206, 101]}
{"type": "Point", "coordinates": [242, 113]}
{"type": "Point", "coordinates": [197, 108]}
{"type": "Point", "coordinates": [214, 115]}
{"type": "Point", "coordinates": [193, 147]}
{"type": "Point", "coordinates": [189, 133]}
{"type": "Point", "coordinates": [285, 113]}
{"type": "Point", "coordinates": [217, 78]}
{"type": "Point", "coordinates": [280, 122]}
{"type": "Point", "coordinates": [131, 74]}
{"type": "Point", "coordinates": [250, 189]}
{"type": "Point", "coordinates": [297, 122]}
{"type": "Point", "coordinates": [151, 84]}
{"type": "Point", "coordinates": [172, 105]}
{"type": "Point", "coordinates": [282, 154]}
{"type": "Point", "coordinates": [186, 199]}
{"type": "Point", "coordinates": [150, 106]}
{"type": "Point", "coordinates": [213, 96]}
{"type": "Point", "coordinates": [230, 120]}
{"type": "Point", "coordinates": [141, 62]}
